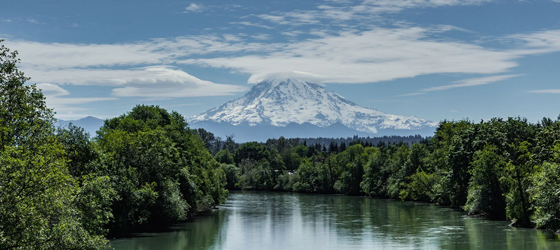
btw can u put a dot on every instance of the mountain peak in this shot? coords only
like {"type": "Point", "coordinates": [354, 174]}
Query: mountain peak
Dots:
{"type": "Point", "coordinates": [282, 101]}
{"type": "Point", "coordinates": [272, 83]}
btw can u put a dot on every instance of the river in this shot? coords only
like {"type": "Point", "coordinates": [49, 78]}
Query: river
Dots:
{"type": "Point", "coordinates": [269, 221]}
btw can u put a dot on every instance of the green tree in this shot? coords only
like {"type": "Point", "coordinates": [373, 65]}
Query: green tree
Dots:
{"type": "Point", "coordinates": [251, 150]}
{"type": "Point", "coordinates": [314, 178]}
{"type": "Point", "coordinates": [96, 193]}
{"type": "Point", "coordinates": [375, 177]}
{"type": "Point", "coordinates": [520, 169]}
{"type": "Point", "coordinates": [457, 175]}
{"type": "Point", "coordinates": [485, 196]}
{"type": "Point", "coordinates": [160, 168]}
{"type": "Point", "coordinates": [232, 175]}
{"type": "Point", "coordinates": [421, 186]}
{"type": "Point", "coordinates": [79, 150]}
{"type": "Point", "coordinates": [38, 208]}
{"type": "Point", "coordinates": [546, 197]}
{"type": "Point", "coordinates": [291, 159]}
{"type": "Point", "coordinates": [224, 156]}
{"type": "Point", "coordinates": [208, 139]}
{"type": "Point", "coordinates": [350, 169]}
{"type": "Point", "coordinates": [301, 150]}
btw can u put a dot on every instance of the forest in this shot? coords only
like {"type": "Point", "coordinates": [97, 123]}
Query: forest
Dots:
{"type": "Point", "coordinates": [64, 189]}
{"type": "Point", "coordinates": [499, 169]}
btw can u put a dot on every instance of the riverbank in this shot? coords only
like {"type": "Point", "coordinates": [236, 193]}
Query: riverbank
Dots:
{"type": "Point", "coordinates": [283, 220]}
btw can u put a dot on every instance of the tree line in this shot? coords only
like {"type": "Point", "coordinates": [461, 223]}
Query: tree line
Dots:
{"type": "Point", "coordinates": [61, 190]}
{"type": "Point", "coordinates": [216, 143]}
{"type": "Point", "coordinates": [411, 139]}
{"type": "Point", "coordinates": [500, 169]}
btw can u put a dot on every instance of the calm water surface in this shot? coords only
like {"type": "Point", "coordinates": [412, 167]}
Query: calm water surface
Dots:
{"type": "Point", "coordinates": [261, 220]}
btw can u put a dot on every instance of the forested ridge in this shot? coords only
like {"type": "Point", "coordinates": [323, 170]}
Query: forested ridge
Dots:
{"type": "Point", "coordinates": [62, 189]}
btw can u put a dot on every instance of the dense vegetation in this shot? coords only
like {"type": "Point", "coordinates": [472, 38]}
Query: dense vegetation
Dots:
{"type": "Point", "coordinates": [411, 139]}
{"type": "Point", "coordinates": [500, 169]}
{"type": "Point", "coordinates": [61, 190]}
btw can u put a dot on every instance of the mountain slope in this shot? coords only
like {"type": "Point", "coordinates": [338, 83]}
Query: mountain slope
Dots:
{"type": "Point", "coordinates": [282, 102]}
{"type": "Point", "coordinates": [90, 124]}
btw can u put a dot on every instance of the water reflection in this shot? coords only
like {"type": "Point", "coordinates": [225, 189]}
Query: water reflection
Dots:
{"type": "Point", "coordinates": [200, 233]}
{"type": "Point", "coordinates": [258, 220]}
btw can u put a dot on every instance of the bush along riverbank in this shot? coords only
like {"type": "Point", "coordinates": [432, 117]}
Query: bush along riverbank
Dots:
{"type": "Point", "coordinates": [502, 169]}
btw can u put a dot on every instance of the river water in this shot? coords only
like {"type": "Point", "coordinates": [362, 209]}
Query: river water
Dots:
{"type": "Point", "coordinates": [269, 221]}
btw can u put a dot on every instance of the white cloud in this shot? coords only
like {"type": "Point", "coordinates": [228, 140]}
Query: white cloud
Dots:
{"type": "Point", "coordinates": [7, 20]}
{"type": "Point", "coordinates": [546, 91]}
{"type": "Point", "coordinates": [150, 82]}
{"type": "Point", "coordinates": [300, 17]}
{"type": "Point", "coordinates": [378, 54]}
{"type": "Point", "coordinates": [32, 20]}
{"type": "Point", "coordinates": [261, 36]}
{"type": "Point", "coordinates": [453, 111]}
{"type": "Point", "coordinates": [472, 82]}
{"type": "Point", "coordinates": [273, 18]}
{"type": "Point", "coordinates": [52, 64]}
{"type": "Point", "coordinates": [413, 94]}
{"type": "Point", "coordinates": [362, 11]}
{"type": "Point", "coordinates": [544, 41]}
{"type": "Point", "coordinates": [50, 89]}
{"type": "Point", "coordinates": [343, 1]}
{"type": "Point", "coordinates": [357, 50]}
{"type": "Point", "coordinates": [232, 38]}
{"type": "Point", "coordinates": [155, 81]}
{"type": "Point", "coordinates": [465, 83]}
{"type": "Point", "coordinates": [193, 7]}
{"type": "Point", "coordinates": [157, 51]}
{"type": "Point", "coordinates": [64, 106]}
{"type": "Point", "coordinates": [292, 33]}
{"type": "Point", "coordinates": [162, 82]}
{"type": "Point", "coordinates": [370, 56]}
{"type": "Point", "coordinates": [252, 24]}
{"type": "Point", "coordinates": [402, 4]}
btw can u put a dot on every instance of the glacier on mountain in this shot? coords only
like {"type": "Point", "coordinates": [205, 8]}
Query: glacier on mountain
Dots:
{"type": "Point", "coordinates": [281, 102]}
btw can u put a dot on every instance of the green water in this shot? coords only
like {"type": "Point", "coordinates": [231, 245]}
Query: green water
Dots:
{"type": "Point", "coordinates": [268, 221]}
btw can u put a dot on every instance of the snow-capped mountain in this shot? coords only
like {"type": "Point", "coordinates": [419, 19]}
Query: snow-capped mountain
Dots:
{"type": "Point", "coordinates": [282, 102]}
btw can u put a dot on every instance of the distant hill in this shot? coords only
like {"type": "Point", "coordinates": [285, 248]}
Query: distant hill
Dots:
{"type": "Point", "coordinates": [90, 124]}
{"type": "Point", "coordinates": [294, 108]}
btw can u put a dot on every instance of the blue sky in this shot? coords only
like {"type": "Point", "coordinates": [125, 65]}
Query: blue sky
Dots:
{"type": "Point", "coordinates": [434, 59]}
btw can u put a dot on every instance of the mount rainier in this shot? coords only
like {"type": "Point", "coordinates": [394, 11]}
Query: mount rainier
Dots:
{"type": "Point", "coordinates": [296, 108]}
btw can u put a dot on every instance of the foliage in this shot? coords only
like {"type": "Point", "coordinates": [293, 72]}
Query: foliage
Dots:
{"type": "Point", "coordinates": [350, 169]}
{"type": "Point", "coordinates": [251, 150]}
{"type": "Point", "coordinates": [485, 190]}
{"type": "Point", "coordinates": [64, 191]}
{"type": "Point", "coordinates": [376, 174]}
{"type": "Point", "coordinates": [422, 187]}
{"type": "Point", "coordinates": [232, 175]}
{"type": "Point", "coordinates": [520, 169]}
{"type": "Point", "coordinates": [40, 204]}
{"type": "Point", "coordinates": [159, 168]}
{"type": "Point", "coordinates": [224, 156]}
{"type": "Point", "coordinates": [492, 168]}
{"type": "Point", "coordinates": [545, 195]}
{"type": "Point", "coordinates": [314, 177]}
